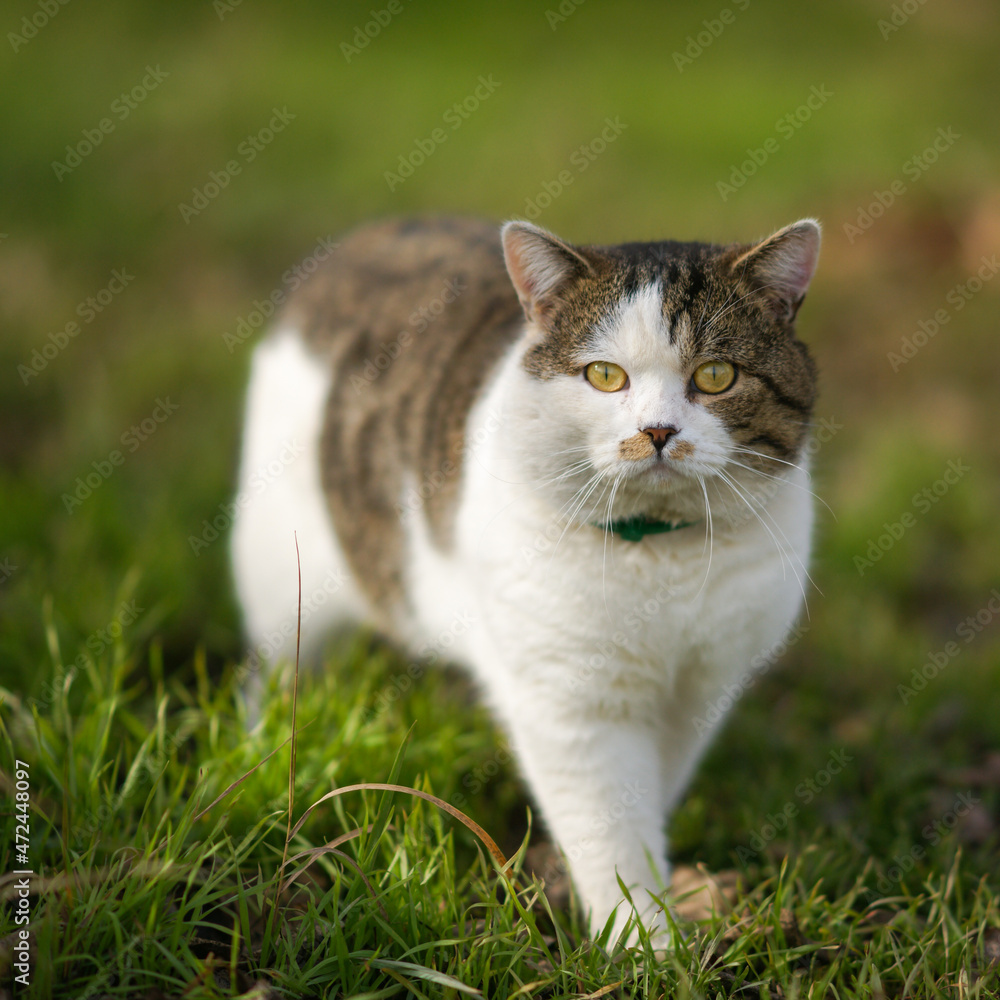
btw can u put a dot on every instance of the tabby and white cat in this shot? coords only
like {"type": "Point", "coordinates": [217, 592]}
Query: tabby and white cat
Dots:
{"type": "Point", "coordinates": [580, 468]}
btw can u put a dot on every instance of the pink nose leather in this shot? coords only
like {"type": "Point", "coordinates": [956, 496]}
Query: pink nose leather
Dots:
{"type": "Point", "coordinates": [659, 435]}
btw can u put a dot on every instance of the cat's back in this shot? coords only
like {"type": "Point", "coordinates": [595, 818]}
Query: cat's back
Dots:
{"type": "Point", "coordinates": [370, 372]}
{"type": "Point", "coordinates": [386, 284]}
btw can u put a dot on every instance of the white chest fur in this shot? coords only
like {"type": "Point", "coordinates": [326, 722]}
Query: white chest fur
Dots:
{"type": "Point", "coordinates": [604, 657]}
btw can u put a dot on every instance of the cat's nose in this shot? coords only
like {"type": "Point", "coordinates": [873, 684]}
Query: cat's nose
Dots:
{"type": "Point", "coordinates": [659, 436]}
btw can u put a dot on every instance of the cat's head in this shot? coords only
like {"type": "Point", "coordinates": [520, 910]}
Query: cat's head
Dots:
{"type": "Point", "coordinates": [663, 375]}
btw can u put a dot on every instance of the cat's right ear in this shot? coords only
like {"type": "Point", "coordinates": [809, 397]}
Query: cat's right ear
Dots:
{"type": "Point", "coordinates": [540, 265]}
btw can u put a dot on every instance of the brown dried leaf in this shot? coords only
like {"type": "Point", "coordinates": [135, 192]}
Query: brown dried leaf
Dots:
{"type": "Point", "coordinates": [698, 893]}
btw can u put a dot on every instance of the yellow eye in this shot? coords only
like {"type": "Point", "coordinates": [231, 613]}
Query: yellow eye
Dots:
{"type": "Point", "coordinates": [606, 376]}
{"type": "Point", "coordinates": [714, 376]}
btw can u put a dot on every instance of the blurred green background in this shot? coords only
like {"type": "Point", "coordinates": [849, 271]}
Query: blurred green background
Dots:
{"type": "Point", "coordinates": [716, 139]}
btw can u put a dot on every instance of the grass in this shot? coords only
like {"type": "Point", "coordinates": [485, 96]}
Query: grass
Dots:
{"type": "Point", "coordinates": [164, 868]}
{"type": "Point", "coordinates": [851, 802]}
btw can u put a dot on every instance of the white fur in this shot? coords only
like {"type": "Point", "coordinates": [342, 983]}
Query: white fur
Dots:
{"type": "Point", "coordinates": [280, 498]}
{"type": "Point", "coordinates": [601, 657]}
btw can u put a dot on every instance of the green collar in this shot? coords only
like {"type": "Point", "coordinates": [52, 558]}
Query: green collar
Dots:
{"type": "Point", "coordinates": [634, 529]}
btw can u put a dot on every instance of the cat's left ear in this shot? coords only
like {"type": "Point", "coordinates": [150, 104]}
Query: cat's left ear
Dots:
{"type": "Point", "coordinates": [782, 266]}
{"type": "Point", "coordinates": [540, 266]}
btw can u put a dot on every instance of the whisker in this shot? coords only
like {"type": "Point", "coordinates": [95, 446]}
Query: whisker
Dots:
{"type": "Point", "coordinates": [582, 524]}
{"type": "Point", "coordinates": [571, 470]}
{"type": "Point", "coordinates": [726, 308]}
{"type": "Point", "coordinates": [701, 316]}
{"type": "Point", "coordinates": [568, 451]}
{"type": "Point", "coordinates": [569, 503]}
{"type": "Point", "coordinates": [709, 537]}
{"type": "Point", "coordinates": [781, 551]}
{"type": "Point", "coordinates": [576, 466]}
{"type": "Point", "coordinates": [764, 510]}
{"type": "Point", "coordinates": [607, 532]}
{"type": "Point", "coordinates": [789, 482]}
{"type": "Point", "coordinates": [584, 493]}
{"type": "Point", "coordinates": [770, 458]}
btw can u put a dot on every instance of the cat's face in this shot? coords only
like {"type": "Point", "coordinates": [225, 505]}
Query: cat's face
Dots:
{"type": "Point", "coordinates": [662, 377]}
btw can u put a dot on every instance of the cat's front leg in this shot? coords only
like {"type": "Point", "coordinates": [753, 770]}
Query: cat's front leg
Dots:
{"type": "Point", "coordinates": [599, 786]}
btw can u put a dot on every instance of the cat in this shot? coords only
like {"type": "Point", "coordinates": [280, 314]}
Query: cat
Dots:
{"type": "Point", "coordinates": [580, 469]}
